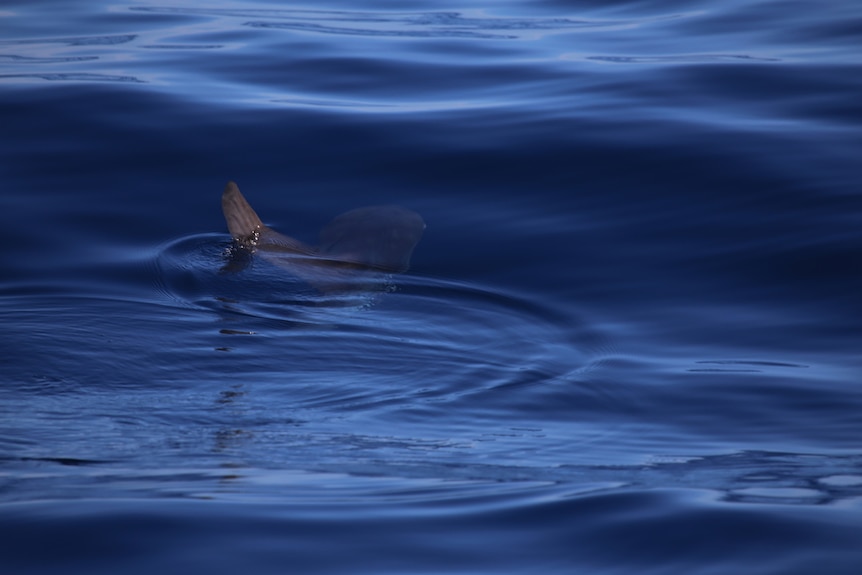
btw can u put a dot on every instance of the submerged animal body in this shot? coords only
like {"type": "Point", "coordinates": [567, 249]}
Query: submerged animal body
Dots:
{"type": "Point", "coordinates": [376, 238]}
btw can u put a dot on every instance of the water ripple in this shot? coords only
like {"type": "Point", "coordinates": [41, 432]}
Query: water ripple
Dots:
{"type": "Point", "coordinates": [681, 59]}
{"type": "Point", "coordinates": [321, 29]}
{"type": "Point", "coordinates": [404, 24]}
{"type": "Point", "coordinates": [76, 77]}
{"type": "Point", "coordinates": [36, 60]}
{"type": "Point", "coordinates": [97, 40]}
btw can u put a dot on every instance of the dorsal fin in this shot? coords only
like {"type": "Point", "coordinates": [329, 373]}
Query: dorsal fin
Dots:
{"type": "Point", "coordinates": [242, 221]}
{"type": "Point", "coordinates": [247, 229]}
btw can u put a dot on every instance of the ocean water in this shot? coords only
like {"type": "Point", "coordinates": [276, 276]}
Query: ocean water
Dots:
{"type": "Point", "coordinates": [629, 340]}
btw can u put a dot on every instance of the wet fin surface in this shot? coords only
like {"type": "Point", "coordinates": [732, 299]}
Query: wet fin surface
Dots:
{"type": "Point", "coordinates": [247, 229]}
{"type": "Point", "coordinates": [242, 221]}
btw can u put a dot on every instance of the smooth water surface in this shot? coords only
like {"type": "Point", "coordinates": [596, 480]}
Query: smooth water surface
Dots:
{"type": "Point", "coordinates": [629, 340]}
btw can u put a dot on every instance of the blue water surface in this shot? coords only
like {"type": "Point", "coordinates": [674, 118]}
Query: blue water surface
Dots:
{"type": "Point", "coordinates": [629, 340]}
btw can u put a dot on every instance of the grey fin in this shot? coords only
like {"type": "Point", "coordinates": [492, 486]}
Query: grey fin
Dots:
{"type": "Point", "coordinates": [381, 237]}
{"type": "Point", "coordinates": [247, 229]}
{"type": "Point", "coordinates": [242, 221]}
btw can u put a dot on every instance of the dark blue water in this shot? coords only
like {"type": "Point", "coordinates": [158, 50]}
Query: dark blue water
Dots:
{"type": "Point", "coordinates": [629, 341]}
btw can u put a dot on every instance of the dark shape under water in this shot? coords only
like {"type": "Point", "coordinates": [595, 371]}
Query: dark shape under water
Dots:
{"type": "Point", "coordinates": [375, 238]}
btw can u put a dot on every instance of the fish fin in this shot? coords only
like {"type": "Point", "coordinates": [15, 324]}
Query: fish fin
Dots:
{"type": "Point", "coordinates": [380, 237]}
{"type": "Point", "coordinates": [247, 229]}
{"type": "Point", "coordinates": [242, 221]}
